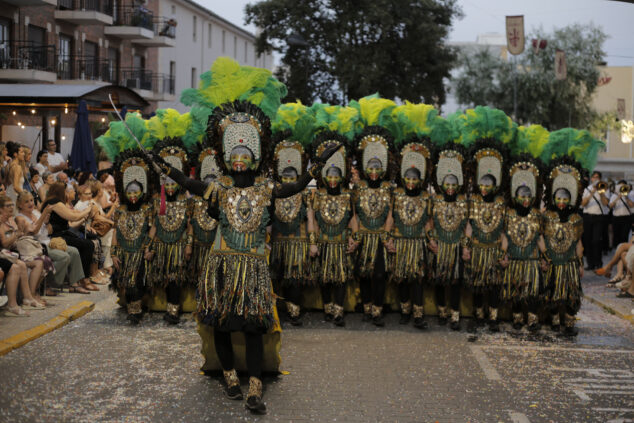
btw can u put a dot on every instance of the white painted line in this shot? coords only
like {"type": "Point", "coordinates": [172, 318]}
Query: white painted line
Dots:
{"type": "Point", "coordinates": [615, 373]}
{"type": "Point", "coordinates": [582, 395]}
{"type": "Point", "coordinates": [518, 417]}
{"type": "Point", "coordinates": [615, 410]}
{"type": "Point", "coordinates": [609, 392]}
{"type": "Point", "coordinates": [588, 350]}
{"type": "Point", "coordinates": [585, 380]}
{"type": "Point", "coordinates": [485, 365]}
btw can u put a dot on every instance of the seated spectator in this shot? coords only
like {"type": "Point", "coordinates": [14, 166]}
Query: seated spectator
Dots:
{"type": "Point", "coordinates": [619, 260]}
{"type": "Point", "coordinates": [34, 185]}
{"type": "Point", "coordinates": [17, 274]}
{"type": "Point", "coordinates": [30, 251]}
{"type": "Point", "coordinates": [626, 286]}
{"type": "Point", "coordinates": [67, 262]}
{"type": "Point", "coordinates": [56, 162]}
{"type": "Point", "coordinates": [63, 178]}
{"type": "Point", "coordinates": [47, 180]}
{"type": "Point", "coordinates": [61, 217]}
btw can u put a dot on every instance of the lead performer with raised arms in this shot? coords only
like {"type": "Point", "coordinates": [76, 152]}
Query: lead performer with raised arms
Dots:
{"type": "Point", "coordinates": [235, 292]}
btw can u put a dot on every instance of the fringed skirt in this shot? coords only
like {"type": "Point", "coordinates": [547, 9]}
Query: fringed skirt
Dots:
{"type": "Point", "coordinates": [131, 271]}
{"type": "Point", "coordinates": [367, 253]}
{"type": "Point", "coordinates": [168, 265]}
{"type": "Point", "coordinates": [446, 266]}
{"type": "Point", "coordinates": [563, 285]}
{"type": "Point", "coordinates": [199, 258]}
{"type": "Point", "coordinates": [334, 264]}
{"type": "Point", "coordinates": [483, 270]}
{"type": "Point", "coordinates": [408, 263]}
{"type": "Point", "coordinates": [234, 293]}
{"type": "Point", "coordinates": [290, 261]}
{"type": "Point", "coordinates": [522, 282]}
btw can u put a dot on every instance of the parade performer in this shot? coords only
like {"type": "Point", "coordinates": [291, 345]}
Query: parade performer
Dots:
{"type": "Point", "coordinates": [373, 202]}
{"type": "Point", "coordinates": [570, 154]}
{"type": "Point", "coordinates": [411, 208]}
{"type": "Point", "coordinates": [486, 131]}
{"type": "Point", "coordinates": [235, 290]}
{"type": "Point", "coordinates": [172, 239]}
{"type": "Point", "coordinates": [447, 239]}
{"type": "Point", "coordinates": [132, 220]}
{"type": "Point", "coordinates": [331, 221]}
{"type": "Point", "coordinates": [522, 280]}
{"type": "Point", "coordinates": [201, 224]}
{"type": "Point", "coordinates": [293, 130]}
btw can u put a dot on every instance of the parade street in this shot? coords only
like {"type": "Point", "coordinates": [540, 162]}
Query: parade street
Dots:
{"type": "Point", "coordinates": [100, 369]}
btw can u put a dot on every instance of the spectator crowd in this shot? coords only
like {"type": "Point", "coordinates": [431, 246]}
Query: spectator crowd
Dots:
{"type": "Point", "coordinates": [55, 228]}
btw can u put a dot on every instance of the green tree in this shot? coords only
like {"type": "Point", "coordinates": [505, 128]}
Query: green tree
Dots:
{"type": "Point", "coordinates": [486, 78]}
{"type": "Point", "coordinates": [354, 48]}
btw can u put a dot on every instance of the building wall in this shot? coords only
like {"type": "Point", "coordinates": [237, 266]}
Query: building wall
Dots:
{"type": "Point", "coordinates": [198, 46]}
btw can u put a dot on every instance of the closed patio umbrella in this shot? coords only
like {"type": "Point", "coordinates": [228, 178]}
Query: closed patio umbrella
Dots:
{"type": "Point", "coordinates": [82, 155]}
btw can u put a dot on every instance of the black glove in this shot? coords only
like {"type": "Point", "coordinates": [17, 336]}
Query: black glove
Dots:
{"type": "Point", "coordinates": [159, 165]}
{"type": "Point", "coordinates": [327, 153]}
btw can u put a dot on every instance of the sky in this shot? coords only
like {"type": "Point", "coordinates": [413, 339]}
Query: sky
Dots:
{"type": "Point", "coordinates": [484, 16]}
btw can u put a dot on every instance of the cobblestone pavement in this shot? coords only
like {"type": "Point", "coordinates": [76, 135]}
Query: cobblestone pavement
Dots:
{"type": "Point", "coordinates": [99, 369]}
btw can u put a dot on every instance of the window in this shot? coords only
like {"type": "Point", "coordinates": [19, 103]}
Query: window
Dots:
{"type": "Point", "coordinates": [209, 35]}
{"type": "Point", "coordinates": [172, 77]}
{"type": "Point", "coordinates": [194, 78]}
{"type": "Point", "coordinates": [91, 55]}
{"type": "Point", "coordinates": [138, 62]}
{"type": "Point", "coordinates": [64, 63]}
{"type": "Point", "coordinates": [5, 30]}
{"type": "Point", "coordinates": [245, 52]}
{"type": "Point", "coordinates": [194, 24]}
{"type": "Point", "coordinates": [235, 47]}
{"type": "Point", "coordinates": [224, 48]}
{"type": "Point", "coordinates": [173, 10]}
{"type": "Point", "coordinates": [113, 65]}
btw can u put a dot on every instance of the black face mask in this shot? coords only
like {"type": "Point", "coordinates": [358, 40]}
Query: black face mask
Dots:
{"type": "Point", "coordinates": [449, 198]}
{"type": "Point", "coordinates": [521, 210]}
{"type": "Point", "coordinates": [243, 179]}
{"type": "Point", "coordinates": [136, 206]}
{"type": "Point", "coordinates": [564, 214]}
{"type": "Point", "coordinates": [413, 192]}
{"type": "Point", "coordinates": [489, 197]}
{"type": "Point", "coordinates": [173, 197]}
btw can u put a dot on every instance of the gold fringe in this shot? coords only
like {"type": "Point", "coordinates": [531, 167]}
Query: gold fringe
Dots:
{"type": "Point", "coordinates": [520, 282]}
{"type": "Point", "coordinates": [128, 275]}
{"type": "Point", "coordinates": [408, 263]}
{"type": "Point", "coordinates": [168, 264]}
{"type": "Point", "coordinates": [370, 244]}
{"type": "Point", "coordinates": [335, 264]}
{"type": "Point", "coordinates": [564, 284]}
{"type": "Point", "coordinates": [483, 269]}
{"type": "Point", "coordinates": [445, 265]}
{"type": "Point", "coordinates": [290, 259]}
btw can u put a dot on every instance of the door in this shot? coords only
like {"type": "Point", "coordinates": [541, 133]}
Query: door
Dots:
{"type": "Point", "coordinates": [91, 53]}
{"type": "Point", "coordinates": [64, 64]}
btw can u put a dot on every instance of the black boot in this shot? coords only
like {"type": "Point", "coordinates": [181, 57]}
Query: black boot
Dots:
{"type": "Point", "coordinates": [293, 313]}
{"type": "Point", "coordinates": [367, 312]}
{"type": "Point", "coordinates": [135, 319]}
{"type": "Point", "coordinates": [406, 313]}
{"type": "Point", "coordinates": [171, 315]}
{"type": "Point", "coordinates": [554, 324]}
{"type": "Point", "coordinates": [254, 397]}
{"type": "Point", "coordinates": [328, 312]}
{"type": "Point", "coordinates": [232, 387]}
{"type": "Point", "coordinates": [442, 315]}
{"type": "Point", "coordinates": [570, 329]}
{"type": "Point", "coordinates": [518, 321]}
{"type": "Point", "coordinates": [419, 317]}
{"type": "Point", "coordinates": [533, 322]}
{"type": "Point", "coordinates": [135, 312]}
{"type": "Point", "coordinates": [338, 315]}
{"type": "Point", "coordinates": [494, 325]}
{"type": "Point", "coordinates": [455, 320]}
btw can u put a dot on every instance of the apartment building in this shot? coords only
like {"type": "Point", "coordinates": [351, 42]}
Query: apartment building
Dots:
{"type": "Point", "coordinates": [201, 37]}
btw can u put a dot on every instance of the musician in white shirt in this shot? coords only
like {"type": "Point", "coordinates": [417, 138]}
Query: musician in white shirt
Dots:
{"type": "Point", "coordinates": [593, 203]}
{"type": "Point", "coordinates": [622, 205]}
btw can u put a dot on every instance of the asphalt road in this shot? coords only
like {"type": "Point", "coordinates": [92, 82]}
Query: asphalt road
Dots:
{"type": "Point", "coordinates": [99, 369]}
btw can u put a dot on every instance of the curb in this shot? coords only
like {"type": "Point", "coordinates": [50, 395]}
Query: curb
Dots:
{"type": "Point", "coordinates": [606, 307]}
{"type": "Point", "coordinates": [24, 337]}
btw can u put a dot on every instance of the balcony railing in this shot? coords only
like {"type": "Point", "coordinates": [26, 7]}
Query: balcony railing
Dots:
{"type": "Point", "coordinates": [27, 55]}
{"type": "Point", "coordinates": [137, 16]}
{"type": "Point", "coordinates": [142, 79]}
{"type": "Point", "coordinates": [86, 68]}
{"type": "Point", "coordinates": [102, 6]}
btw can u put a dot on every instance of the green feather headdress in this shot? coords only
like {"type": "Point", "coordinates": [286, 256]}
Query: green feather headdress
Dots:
{"type": "Point", "coordinates": [485, 123]}
{"type": "Point", "coordinates": [580, 145]}
{"type": "Point", "coordinates": [293, 130]}
{"type": "Point", "coordinates": [341, 119]}
{"type": "Point", "coordinates": [118, 139]}
{"type": "Point", "coordinates": [530, 139]}
{"type": "Point", "coordinates": [169, 123]}
{"type": "Point", "coordinates": [412, 119]}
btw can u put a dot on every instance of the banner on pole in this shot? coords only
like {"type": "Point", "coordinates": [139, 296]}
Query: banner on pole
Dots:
{"type": "Point", "coordinates": [515, 34]}
{"type": "Point", "coordinates": [561, 71]}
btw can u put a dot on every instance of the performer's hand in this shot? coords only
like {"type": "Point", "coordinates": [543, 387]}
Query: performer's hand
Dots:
{"type": "Point", "coordinates": [389, 246]}
{"type": "Point", "coordinates": [466, 254]}
{"type": "Point", "coordinates": [505, 261]}
{"type": "Point", "coordinates": [544, 265]}
{"type": "Point", "coordinates": [188, 252]}
{"type": "Point", "coordinates": [116, 262]}
{"type": "Point", "coordinates": [352, 245]}
{"type": "Point", "coordinates": [159, 165]}
{"type": "Point", "coordinates": [327, 153]}
{"type": "Point", "coordinates": [433, 246]}
{"type": "Point", "coordinates": [148, 255]}
{"type": "Point", "coordinates": [313, 250]}
{"type": "Point", "coordinates": [580, 272]}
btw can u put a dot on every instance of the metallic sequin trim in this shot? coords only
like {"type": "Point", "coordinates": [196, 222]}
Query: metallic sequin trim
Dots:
{"type": "Point", "coordinates": [518, 318]}
{"type": "Point", "coordinates": [493, 313]}
{"type": "Point", "coordinates": [287, 209]}
{"type": "Point", "coordinates": [522, 230]}
{"type": "Point", "coordinates": [244, 206]}
{"type": "Point", "coordinates": [293, 309]}
{"type": "Point", "coordinates": [172, 309]}
{"type": "Point", "coordinates": [134, 307]}
{"type": "Point", "coordinates": [479, 312]}
{"type": "Point", "coordinates": [455, 316]}
{"type": "Point", "coordinates": [532, 319]}
{"type": "Point", "coordinates": [255, 387]}
{"type": "Point", "coordinates": [419, 311]}
{"type": "Point", "coordinates": [555, 319]}
{"type": "Point", "coordinates": [406, 308]}
{"type": "Point", "coordinates": [376, 311]}
{"type": "Point", "coordinates": [174, 215]}
{"type": "Point", "coordinates": [410, 210]}
{"type": "Point", "coordinates": [337, 310]}
{"type": "Point", "coordinates": [231, 377]}
{"type": "Point", "coordinates": [570, 320]}
{"type": "Point", "coordinates": [200, 215]}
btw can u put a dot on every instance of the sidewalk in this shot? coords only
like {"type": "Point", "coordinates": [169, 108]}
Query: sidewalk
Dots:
{"type": "Point", "coordinates": [595, 290]}
{"type": "Point", "coordinates": [16, 331]}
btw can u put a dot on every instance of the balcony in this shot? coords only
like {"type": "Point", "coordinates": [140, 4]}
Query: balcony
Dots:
{"type": "Point", "coordinates": [164, 34]}
{"type": "Point", "coordinates": [82, 69]}
{"type": "Point", "coordinates": [149, 85]}
{"type": "Point", "coordinates": [85, 12]}
{"type": "Point", "coordinates": [23, 3]}
{"type": "Point", "coordinates": [27, 62]}
{"type": "Point", "coordinates": [132, 23]}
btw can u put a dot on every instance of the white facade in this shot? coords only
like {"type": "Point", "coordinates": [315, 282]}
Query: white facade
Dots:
{"type": "Point", "coordinates": [201, 37]}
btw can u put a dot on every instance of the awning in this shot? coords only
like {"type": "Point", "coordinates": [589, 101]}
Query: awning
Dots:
{"type": "Point", "coordinates": [61, 95]}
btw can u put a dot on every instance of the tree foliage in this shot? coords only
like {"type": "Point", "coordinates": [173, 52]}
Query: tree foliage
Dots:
{"type": "Point", "coordinates": [486, 78]}
{"type": "Point", "coordinates": [356, 47]}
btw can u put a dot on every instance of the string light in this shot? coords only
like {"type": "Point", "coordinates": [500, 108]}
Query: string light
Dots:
{"type": "Point", "coordinates": [53, 122]}
{"type": "Point", "coordinates": [19, 123]}
{"type": "Point", "coordinates": [103, 119]}
{"type": "Point", "coordinates": [66, 110]}
{"type": "Point", "coordinates": [32, 111]}
{"type": "Point", "coordinates": [63, 137]}
{"type": "Point", "coordinates": [14, 113]}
